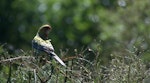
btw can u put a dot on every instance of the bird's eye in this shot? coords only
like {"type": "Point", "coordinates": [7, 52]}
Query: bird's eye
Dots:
{"type": "Point", "coordinates": [47, 31]}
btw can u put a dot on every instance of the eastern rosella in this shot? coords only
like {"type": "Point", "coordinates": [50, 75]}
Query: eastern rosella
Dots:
{"type": "Point", "coordinates": [42, 43]}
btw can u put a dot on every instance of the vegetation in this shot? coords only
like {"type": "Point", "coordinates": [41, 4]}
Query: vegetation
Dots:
{"type": "Point", "coordinates": [25, 69]}
{"type": "Point", "coordinates": [100, 40]}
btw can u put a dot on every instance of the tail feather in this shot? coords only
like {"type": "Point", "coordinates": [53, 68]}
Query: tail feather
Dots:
{"type": "Point", "coordinates": [58, 59]}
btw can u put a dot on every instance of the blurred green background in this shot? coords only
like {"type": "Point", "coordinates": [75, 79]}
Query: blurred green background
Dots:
{"type": "Point", "coordinates": [108, 26]}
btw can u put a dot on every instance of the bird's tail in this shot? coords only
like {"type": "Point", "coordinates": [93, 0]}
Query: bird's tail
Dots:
{"type": "Point", "coordinates": [58, 59]}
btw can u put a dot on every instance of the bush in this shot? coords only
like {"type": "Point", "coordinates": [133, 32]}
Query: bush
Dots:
{"type": "Point", "coordinates": [122, 69]}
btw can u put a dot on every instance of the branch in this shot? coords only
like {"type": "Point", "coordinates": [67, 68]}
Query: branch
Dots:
{"type": "Point", "coordinates": [16, 58]}
{"type": "Point", "coordinates": [69, 58]}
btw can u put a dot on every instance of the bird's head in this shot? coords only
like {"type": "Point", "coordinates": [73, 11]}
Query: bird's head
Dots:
{"type": "Point", "coordinates": [44, 31]}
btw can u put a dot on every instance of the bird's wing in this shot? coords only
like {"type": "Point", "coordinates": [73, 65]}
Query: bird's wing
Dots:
{"type": "Point", "coordinates": [58, 59]}
{"type": "Point", "coordinates": [42, 45]}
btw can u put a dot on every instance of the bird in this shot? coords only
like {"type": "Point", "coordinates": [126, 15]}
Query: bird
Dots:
{"type": "Point", "coordinates": [41, 43]}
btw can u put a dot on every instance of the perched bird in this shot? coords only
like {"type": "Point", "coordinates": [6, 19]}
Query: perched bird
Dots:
{"type": "Point", "coordinates": [42, 43]}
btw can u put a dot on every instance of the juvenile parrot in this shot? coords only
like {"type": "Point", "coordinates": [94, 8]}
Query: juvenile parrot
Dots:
{"type": "Point", "coordinates": [42, 43]}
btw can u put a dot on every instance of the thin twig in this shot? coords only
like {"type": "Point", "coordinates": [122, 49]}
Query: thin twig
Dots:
{"type": "Point", "coordinates": [49, 77]}
{"type": "Point", "coordinates": [35, 78]}
{"type": "Point", "coordinates": [65, 79]}
{"type": "Point", "coordinates": [9, 78]}
{"type": "Point", "coordinates": [16, 58]}
{"type": "Point", "coordinates": [40, 78]}
{"type": "Point", "coordinates": [69, 58]}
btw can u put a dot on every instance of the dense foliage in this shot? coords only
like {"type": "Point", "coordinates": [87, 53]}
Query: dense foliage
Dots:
{"type": "Point", "coordinates": [101, 27]}
{"type": "Point", "coordinates": [25, 69]}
